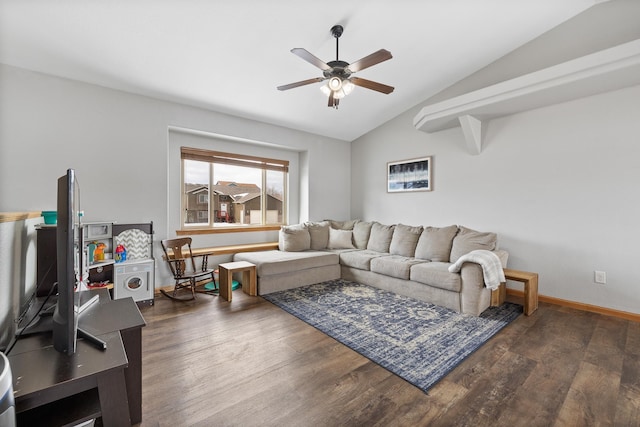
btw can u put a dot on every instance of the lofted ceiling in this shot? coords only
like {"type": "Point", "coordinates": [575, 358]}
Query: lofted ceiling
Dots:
{"type": "Point", "coordinates": [229, 56]}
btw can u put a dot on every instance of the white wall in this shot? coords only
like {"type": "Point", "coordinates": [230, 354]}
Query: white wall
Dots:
{"type": "Point", "coordinates": [17, 267]}
{"type": "Point", "coordinates": [560, 178]}
{"type": "Point", "coordinates": [118, 144]}
{"type": "Point", "coordinates": [558, 185]}
{"type": "Point", "coordinates": [570, 40]}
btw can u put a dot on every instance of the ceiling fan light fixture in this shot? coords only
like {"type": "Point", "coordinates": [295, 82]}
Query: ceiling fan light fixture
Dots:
{"type": "Point", "coordinates": [340, 90]}
{"type": "Point", "coordinates": [339, 94]}
{"type": "Point", "coordinates": [335, 83]}
{"type": "Point", "coordinates": [347, 86]}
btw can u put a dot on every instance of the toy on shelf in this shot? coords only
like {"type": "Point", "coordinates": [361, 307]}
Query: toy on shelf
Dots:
{"type": "Point", "coordinates": [121, 253]}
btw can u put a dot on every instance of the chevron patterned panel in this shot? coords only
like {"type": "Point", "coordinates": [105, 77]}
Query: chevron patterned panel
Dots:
{"type": "Point", "coordinates": [136, 242]}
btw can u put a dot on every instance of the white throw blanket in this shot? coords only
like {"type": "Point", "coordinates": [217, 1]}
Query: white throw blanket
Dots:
{"type": "Point", "coordinates": [490, 263]}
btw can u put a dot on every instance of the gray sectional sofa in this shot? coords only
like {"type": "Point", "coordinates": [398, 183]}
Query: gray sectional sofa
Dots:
{"type": "Point", "coordinates": [410, 260]}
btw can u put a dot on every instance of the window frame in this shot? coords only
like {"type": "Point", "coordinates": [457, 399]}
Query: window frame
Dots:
{"type": "Point", "coordinates": [217, 157]}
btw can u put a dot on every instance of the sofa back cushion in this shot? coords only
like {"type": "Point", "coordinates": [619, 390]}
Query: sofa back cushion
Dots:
{"type": "Point", "coordinates": [468, 240]}
{"type": "Point", "coordinates": [435, 243]}
{"type": "Point", "coordinates": [294, 238]}
{"type": "Point", "coordinates": [342, 225]}
{"type": "Point", "coordinates": [361, 233]}
{"type": "Point", "coordinates": [319, 234]}
{"type": "Point", "coordinates": [380, 238]}
{"type": "Point", "coordinates": [340, 239]}
{"type": "Point", "coordinates": [404, 240]}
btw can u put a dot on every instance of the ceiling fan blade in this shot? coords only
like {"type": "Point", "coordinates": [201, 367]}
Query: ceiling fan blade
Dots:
{"type": "Point", "coordinates": [368, 61]}
{"type": "Point", "coordinates": [310, 58]}
{"type": "Point", "coordinates": [372, 85]}
{"type": "Point", "coordinates": [301, 83]}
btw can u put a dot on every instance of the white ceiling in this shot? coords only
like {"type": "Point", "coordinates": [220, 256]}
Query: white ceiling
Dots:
{"type": "Point", "coordinates": [229, 56]}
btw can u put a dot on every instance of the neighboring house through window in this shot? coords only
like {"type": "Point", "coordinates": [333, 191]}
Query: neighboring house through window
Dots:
{"type": "Point", "coordinates": [232, 190]}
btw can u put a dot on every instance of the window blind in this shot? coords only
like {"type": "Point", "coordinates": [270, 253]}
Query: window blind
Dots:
{"type": "Point", "coordinates": [209, 156]}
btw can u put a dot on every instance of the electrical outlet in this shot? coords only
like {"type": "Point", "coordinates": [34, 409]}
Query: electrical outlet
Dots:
{"type": "Point", "coordinates": [600, 277]}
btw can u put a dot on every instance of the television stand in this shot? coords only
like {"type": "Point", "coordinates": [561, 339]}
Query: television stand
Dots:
{"type": "Point", "coordinates": [44, 381]}
{"type": "Point", "coordinates": [100, 344]}
{"type": "Point", "coordinates": [90, 383]}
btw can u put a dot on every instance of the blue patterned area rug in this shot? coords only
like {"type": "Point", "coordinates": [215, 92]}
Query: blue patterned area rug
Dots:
{"type": "Point", "coordinates": [418, 341]}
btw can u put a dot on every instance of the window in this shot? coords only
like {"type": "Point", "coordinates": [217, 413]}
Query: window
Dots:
{"type": "Point", "coordinates": [224, 190]}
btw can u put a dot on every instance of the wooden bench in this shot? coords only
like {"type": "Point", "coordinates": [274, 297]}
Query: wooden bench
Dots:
{"type": "Point", "coordinates": [234, 249]}
{"type": "Point", "coordinates": [530, 281]}
{"type": "Point", "coordinates": [231, 249]}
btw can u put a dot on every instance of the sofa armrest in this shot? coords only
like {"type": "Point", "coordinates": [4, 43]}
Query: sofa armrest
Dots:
{"type": "Point", "coordinates": [474, 296]}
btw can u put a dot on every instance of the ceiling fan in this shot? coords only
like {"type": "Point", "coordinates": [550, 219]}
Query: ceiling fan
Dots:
{"type": "Point", "coordinates": [339, 73]}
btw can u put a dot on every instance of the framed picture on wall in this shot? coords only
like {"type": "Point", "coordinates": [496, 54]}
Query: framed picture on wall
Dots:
{"type": "Point", "coordinates": [409, 175]}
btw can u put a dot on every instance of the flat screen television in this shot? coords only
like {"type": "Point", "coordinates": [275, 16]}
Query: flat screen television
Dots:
{"type": "Point", "coordinates": [61, 318]}
{"type": "Point", "coordinates": [69, 261]}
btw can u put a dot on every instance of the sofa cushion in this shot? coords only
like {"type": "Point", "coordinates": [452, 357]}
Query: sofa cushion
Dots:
{"type": "Point", "coordinates": [404, 240]}
{"type": "Point", "coordinates": [394, 265]}
{"type": "Point", "coordinates": [361, 233]}
{"type": "Point", "coordinates": [294, 238]}
{"type": "Point", "coordinates": [319, 233]}
{"type": "Point", "coordinates": [468, 240]}
{"type": "Point", "coordinates": [343, 225]}
{"type": "Point", "coordinates": [277, 262]}
{"type": "Point", "coordinates": [435, 243]}
{"type": "Point", "coordinates": [359, 259]}
{"type": "Point", "coordinates": [436, 274]}
{"type": "Point", "coordinates": [340, 239]}
{"type": "Point", "coordinates": [380, 238]}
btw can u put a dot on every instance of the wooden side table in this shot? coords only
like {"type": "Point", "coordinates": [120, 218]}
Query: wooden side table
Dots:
{"type": "Point", "coordinates": [530, 281]}
{"type": "Point", "coordinates": [249, 278]}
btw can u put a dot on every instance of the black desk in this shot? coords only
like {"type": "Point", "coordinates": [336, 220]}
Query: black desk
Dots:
{"type": "Point", "coordinates": [89, 383]}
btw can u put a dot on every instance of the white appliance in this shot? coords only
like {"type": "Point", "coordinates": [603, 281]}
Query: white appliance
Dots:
{"type": "Point", "coordinates": [136, 279]}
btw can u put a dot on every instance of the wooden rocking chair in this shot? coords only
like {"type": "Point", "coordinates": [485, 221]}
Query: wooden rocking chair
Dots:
{"type": "Point", "coordinates": [182, 263]}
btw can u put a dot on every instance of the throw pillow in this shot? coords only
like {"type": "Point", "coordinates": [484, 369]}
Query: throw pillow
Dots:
{"type": "Point", "coordinates": [435, 243]}
{"type": "Point", "coordinates": [294, 238]}
{"type": "Point", "coordinates": [319, 233]}
{"type": "Point", "coordinates": [468, 240]}
{"type": "Point", "coordinates": [380, 238]}
{"type": "Point", "coordinates": [340, 239]}
{"type": "Point", "coordinates": [404, 240]}
{"type": "Point", "coordinates": [361, 233]}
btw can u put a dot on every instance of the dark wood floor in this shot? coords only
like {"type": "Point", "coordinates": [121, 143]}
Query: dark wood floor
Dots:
{"type": "Point", "coordinates": [248, 363]}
